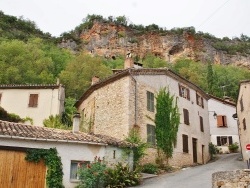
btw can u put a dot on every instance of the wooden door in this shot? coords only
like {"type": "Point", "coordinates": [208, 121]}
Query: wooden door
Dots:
{"type": "Point", "coordinates": [16, 172]}
{"type": "Point", "coordinates": [194, 140]}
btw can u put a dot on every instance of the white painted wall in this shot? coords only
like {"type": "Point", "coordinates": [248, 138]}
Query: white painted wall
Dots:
{"type": "Point", "coordinates": [231, 130]}
{"type": "Point", "coordinates": [244, 94]}
{"type": "Point", "coordinates": [50, 102]}
{"type": "Point", "coordinates": [69, 152]}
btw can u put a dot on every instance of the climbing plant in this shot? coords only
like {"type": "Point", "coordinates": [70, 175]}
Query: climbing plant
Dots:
{"type": "Point", "coordinates": [139, 150]}
{"type": "Point", "coordinates": [167, 120]}
{"type": "Point", "coordinates": [50, 156]}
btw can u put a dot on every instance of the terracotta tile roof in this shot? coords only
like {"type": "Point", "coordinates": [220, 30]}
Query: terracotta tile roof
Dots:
{"type": "Point", "coordinates": [142, 71]}
{"type": "Point", "coordinates": [30, 86]}
{"type": "Point", "coordinates": [232, 103]}
{"type": "Point", "coordinates": [31, 132]}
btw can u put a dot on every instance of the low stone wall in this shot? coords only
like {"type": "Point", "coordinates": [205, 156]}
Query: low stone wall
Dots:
{"type": "Point", "coordinates": [231, 179]}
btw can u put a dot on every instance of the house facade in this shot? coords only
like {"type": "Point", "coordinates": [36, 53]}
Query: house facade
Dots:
{"type": "Point", "coordinates": [37, 102]}
{"type": "Point", "coordinates": [223, 127]}
{"type": "Point", "coordinates": [243, 114]}
{"type": "Point", "coordinates": [126, 100]}
{"type": "Point", "coordinates": [74, 149]}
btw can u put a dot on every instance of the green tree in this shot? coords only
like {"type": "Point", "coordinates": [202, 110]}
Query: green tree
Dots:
{"type": "Point", "coordinates": [151, 61]}
{"type": "Point", "coordinates": [167, 120]}
{"type": "Point", "coordinates": [79, 72]}
{"type": "Point", "coordinates": [210, 78]}
{"type": "Point", "coordinates": [55, 122]}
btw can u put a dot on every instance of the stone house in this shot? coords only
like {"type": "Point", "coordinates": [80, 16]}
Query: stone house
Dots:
{"type": "Point", "coordinates": [35, 101]}
{"type": "Point", "coordinates": [223, 127]}
{"type": "Point", "coordinates": [75, 148]}
{"type": "Point", "coordinates": [243, 114]}
{"type": "Point", "coordinates": [127, 99]}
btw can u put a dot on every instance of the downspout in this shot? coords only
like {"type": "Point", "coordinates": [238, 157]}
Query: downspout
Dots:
{"type": "Point", "coordinates": [135, 96]}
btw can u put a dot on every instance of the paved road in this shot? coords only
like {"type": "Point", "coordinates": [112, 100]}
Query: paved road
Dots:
{"type": "Point", "coordinates": [196, 177]}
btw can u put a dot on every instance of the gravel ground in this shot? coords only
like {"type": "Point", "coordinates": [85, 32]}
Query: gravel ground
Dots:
{"type": "Point", "coordinates": [198, 176]}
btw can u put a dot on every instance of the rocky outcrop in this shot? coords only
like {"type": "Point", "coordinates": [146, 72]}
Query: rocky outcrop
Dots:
{"type": "Point", "coordinates": [111, 40]}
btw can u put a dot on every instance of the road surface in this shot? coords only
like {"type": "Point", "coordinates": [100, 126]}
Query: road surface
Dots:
{"type": "Point", "coordinates": [196, 177]}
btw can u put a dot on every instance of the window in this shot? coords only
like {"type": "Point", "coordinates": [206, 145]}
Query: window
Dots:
{"type": "Point", "coordinates": [184, 92]}
{"type": "Point", "coordinates": [221, 121]}
{"type": "Point", "coordinates": [33, 100]}
{"type": "Point", "coordinates": [201, 124]}
{"type": "Point", "coordinates": [199, 100]}
{"type": "Point", "coordinates": [74, 167]}
{"type": "Point", "coordinates": [151, 134]}
{"type": "Point", "coordinates": [185, 143]}
{"type": "Point", "coordinates": [150, 101]}
{"type": "Point", "coordinates": [0, 97]}
{"type": "Point", "coordinates": [241, 104]}
{"type": "Point", "coordinates": [224, 140]}
{"type": "Point", "coordinates": [244, 124]}
{"type": "Point", "coordinates": [186, 116]}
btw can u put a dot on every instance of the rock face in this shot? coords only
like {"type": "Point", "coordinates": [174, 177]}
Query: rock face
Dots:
{"type": "Point", "coordinates": [111, 40]}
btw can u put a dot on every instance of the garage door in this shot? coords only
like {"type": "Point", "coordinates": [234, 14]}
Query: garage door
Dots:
{"type": "Point", "coordinates": [16, 172]}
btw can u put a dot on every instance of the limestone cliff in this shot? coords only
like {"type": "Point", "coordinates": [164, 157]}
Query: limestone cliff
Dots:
{"type": "Point", "coordinates": [111, 40]}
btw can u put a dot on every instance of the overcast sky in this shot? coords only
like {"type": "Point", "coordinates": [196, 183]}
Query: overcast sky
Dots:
{"type": "Point", "coordinates": [220, 18]}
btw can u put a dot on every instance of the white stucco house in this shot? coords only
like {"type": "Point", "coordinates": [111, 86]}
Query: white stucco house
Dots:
{"type": "Point", "coordinates": [73, 147]}
{"type": "Point", "coordinates": [126, 100]}
{"type": "Point", "coordinates": [35, 101]}
{"type": "Point", "coordinates": [243, 115]}
{"type": "Point", "coordinates": [223, 127]}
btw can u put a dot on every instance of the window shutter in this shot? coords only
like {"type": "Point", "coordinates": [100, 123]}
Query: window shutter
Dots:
{"type": "Point", "coordinates": [180, 90]}
{"type": "Point", "coordinates": [218, 141]}
{"type": "Point", "coordinates": [188, 94]}
{"type": "Point", "coordinates": [186, 116]}
{"type": "Point", "coordinates": [241, 104]}
{"type": "Point", "coordinates": [30, 101]}
{"type": "Point", "coordinates": [35, 102]}
{"type": "Point", "coordinates": [230, 140]}
{"type": "Point", "coordinates": [197, 101]}
{"type": "Point", "coordinates": [201, 124]}
{"type": "Point", "coordinates": [244, 124]}
{"type": "Point", "coordinates": [148, 101]}
{"type": "Point", "coordinates": [219, 121]}
{"type": "Point", "coordinates": [185, 143]}
{"type": "Point", "coordinates": [224, 121]}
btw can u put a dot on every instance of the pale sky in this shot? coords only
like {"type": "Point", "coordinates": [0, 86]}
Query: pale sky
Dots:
{"type": "Point", "coordinates": [220, 18]}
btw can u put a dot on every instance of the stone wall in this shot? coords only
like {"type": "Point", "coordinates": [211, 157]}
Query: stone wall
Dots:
{"type": "Point", "coordinates": [231, 179]}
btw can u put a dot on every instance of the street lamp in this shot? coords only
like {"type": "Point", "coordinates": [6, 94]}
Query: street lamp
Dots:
{"type": "Point", "coordinates": [215, 115]}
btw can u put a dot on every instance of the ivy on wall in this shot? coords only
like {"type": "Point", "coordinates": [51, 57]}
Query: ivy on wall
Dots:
{"type": "Point", "coordinates": [167, 120]}
{"type": "Point", "coordinates": [50, 156]}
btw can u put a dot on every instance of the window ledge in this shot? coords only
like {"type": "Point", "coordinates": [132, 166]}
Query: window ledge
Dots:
{"type": "Point", "coordinates": [74, 181]}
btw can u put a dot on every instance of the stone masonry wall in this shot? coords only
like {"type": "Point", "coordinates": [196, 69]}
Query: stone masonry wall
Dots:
{"type": "Point", "coordinates": [231, 179]}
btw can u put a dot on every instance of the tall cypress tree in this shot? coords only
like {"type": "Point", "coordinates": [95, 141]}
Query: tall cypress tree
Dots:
{"type": "Point", "coordinates": [210, 78]}
{"type": "Point", "coordinates": [167, 120]}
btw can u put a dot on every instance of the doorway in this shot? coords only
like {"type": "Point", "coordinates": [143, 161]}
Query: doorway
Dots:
{"type": "Point", "coordinates": [194, 141]}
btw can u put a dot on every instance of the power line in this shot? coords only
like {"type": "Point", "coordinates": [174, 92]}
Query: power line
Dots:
{"type": "Point", "coordinates": [213, 13]}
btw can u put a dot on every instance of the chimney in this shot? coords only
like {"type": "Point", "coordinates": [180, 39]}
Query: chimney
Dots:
{"type": "Point", "coordinates": [76, 122]}
{"type": "Point", "coordinates": [128, 63]}
{"type": "Point", "coordinates": [95, 79]}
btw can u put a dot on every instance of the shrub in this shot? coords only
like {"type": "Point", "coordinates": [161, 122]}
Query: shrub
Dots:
{"type": "Point", "coordinates": [92, 175]}
{"type": "Point", "coordinates": [150, 168]}
{"type": "Point", "coordinates": [213, 150]}
{"type": "Point", "coordinates": [121, 176]}
{"type": "Point", "coordinates": [233, 147]}
{"type": "Point", "coordinates": [140, 150]}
